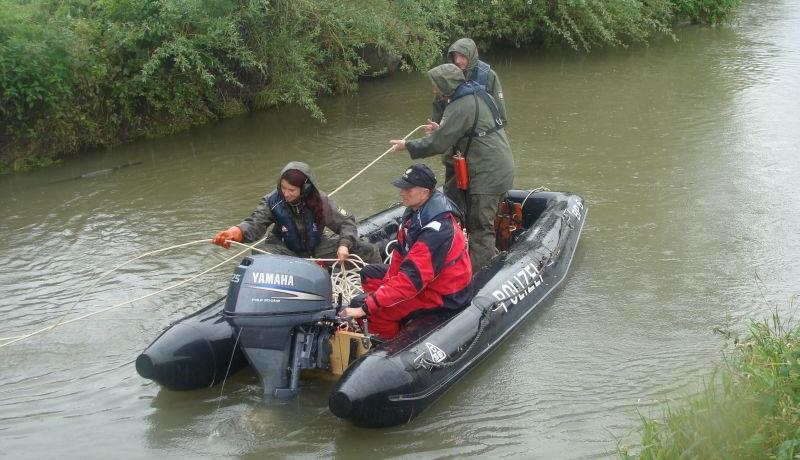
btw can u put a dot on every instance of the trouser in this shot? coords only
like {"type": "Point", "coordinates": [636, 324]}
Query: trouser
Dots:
{"type": "Point", "coordinates": [385, 322]}
{"type": "Point", "coordinates": [479, 212]}
{"type": "Point", "coordinates": [326, 250]}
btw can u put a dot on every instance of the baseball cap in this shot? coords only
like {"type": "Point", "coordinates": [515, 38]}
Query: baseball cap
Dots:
{"type": "Point", "coordinates": [417, 175]}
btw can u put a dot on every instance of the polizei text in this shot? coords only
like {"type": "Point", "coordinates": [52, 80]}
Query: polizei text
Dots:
{"type": "Point", "coordinates": [519, 286]}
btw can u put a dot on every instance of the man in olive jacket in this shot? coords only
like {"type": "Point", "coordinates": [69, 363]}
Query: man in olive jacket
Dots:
{"type": "Point", "coordinates": [464, 54]}
{"type": "Point", "coordinates": [490, 164]}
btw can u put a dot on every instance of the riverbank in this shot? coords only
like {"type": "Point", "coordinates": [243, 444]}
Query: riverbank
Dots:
{"type": "Point", "coordinates": [86, 74]}
{"type": "Point", "coordinates": [749, 409]}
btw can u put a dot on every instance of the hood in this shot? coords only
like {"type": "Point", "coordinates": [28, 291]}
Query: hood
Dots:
{"type": "Point", "coordinates": [466, 47]}
{"type": "Point", "coordinates": [303, 168]}
{"type": "Point", "coordinates": [446, 77]}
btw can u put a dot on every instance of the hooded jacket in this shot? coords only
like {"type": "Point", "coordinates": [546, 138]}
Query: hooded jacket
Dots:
{"type": "Point", "coordinates": [294, 228]}
{"type": "Point", "coordinates": [490, 164]}
{"type": "Point", "coordinates": [476, 71]}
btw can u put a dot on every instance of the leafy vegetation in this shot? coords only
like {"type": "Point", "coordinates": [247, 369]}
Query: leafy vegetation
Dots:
{"type": "Point", "coordinates": [79, 74]}
{"type": "Point", "coordinates": [749, 410]}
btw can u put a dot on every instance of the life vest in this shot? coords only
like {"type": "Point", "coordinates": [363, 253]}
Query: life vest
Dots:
{"type": "Point", "coordinates": [415, 221]}
{"type": "Point", "coordinates": [479, 91]}
{"type": "Point", "coordinates": [287, 231]}
{"type": "Point", "coordinates": [480, 74]}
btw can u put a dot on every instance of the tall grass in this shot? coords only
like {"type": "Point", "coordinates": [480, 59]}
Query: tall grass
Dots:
{"type": "Point", "coordinates": [750, 409]}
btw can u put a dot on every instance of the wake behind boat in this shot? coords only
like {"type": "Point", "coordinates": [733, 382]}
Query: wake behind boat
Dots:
{"type": "Point", "coordinates": [280, 317]}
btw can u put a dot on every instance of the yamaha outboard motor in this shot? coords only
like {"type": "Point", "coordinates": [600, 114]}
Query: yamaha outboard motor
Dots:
{"type": "Point", "coordinates": [281, 307]}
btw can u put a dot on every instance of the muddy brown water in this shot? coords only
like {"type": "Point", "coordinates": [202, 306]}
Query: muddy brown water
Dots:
{"type": "Point", "coordinates": [686, 153]}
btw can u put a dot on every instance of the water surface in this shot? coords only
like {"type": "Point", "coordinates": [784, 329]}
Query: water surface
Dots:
{"type": "Point", "coordinates": [687, 155]}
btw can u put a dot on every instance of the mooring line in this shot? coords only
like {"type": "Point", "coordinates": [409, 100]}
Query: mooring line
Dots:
{"type": "Point", "coordinates": [374, 161]}
{"type": "Point", "coordinates": [225, 379]}
{"type": "Point", "coordinates": [347, 283]}
{"type": "Point", "coordinates": [61, 322]}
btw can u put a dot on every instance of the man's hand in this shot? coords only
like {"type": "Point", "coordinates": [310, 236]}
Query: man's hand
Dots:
{"type": "Point", "coordinates": [431, 126]}
{"type": "Point", "coordinates": [399, 145]}
{"type": "Point", "coordinates": [356, 313]}
{"type": "Point", "coordinates": [358, 306]}
{"type": "Point", "coordinates": [342, 253]}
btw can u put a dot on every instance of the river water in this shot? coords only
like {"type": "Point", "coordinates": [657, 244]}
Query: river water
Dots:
{"type": "Point", "coordinates": [686, 153]}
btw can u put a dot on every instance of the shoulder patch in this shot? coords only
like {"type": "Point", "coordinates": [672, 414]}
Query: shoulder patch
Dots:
{"type": "Point", "coordinates": [435, 224]}
{"type": "Point", "coordinates": [342, 211]}
{"type": "Point", "coordinates": [499, 94]}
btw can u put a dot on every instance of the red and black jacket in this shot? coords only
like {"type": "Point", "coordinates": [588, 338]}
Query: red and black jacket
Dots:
{"type": "Point", "coordinates": [430, 265]}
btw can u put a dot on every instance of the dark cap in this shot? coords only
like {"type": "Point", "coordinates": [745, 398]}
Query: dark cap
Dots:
{"type": "Point", "coordinates": [417, 175]}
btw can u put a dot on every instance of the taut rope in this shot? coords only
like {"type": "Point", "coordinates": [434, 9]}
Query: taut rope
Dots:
{"type": "Point", "coordinates": [346, 281]}
{"type": "Point", "coordinates": [374, 161]}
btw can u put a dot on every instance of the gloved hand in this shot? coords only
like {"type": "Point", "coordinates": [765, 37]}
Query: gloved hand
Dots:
{"type": "Point", "coordinates": [221, 239]}
{"type": "Point", "coordinates": [359, 300]}
{"type": "Point", "coordinates": [358, 306]}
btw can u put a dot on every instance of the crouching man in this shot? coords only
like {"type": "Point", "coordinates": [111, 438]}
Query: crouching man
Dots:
{"type": "Point", "coordinates": [430, 265]}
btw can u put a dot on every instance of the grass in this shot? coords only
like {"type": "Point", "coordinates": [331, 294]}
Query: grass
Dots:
{"type": "Point", "coordinates": [749, 408]}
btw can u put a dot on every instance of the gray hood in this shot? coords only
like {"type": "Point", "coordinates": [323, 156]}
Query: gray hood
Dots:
{"type": "Point", "coordinates": [446, 77]}
{"type": "Point", "coordinates": [466, 47]}
{"type": "Point", "coordinates": [303, 168]}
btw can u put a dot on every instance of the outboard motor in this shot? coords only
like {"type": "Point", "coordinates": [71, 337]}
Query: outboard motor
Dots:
{"type": "Point", "coordinates": [282, 309]}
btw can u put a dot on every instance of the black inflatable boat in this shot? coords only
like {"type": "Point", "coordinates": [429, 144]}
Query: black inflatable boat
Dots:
{"type": "Point", "coordinates": [280, 317]}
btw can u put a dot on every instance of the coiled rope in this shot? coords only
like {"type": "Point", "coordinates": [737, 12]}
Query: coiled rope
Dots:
{"type": "Point", "coordinates": [347, 281]}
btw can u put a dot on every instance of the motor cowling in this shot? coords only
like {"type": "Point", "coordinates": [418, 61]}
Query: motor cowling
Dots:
{"type": "Point", "coordinates": [274, 302]}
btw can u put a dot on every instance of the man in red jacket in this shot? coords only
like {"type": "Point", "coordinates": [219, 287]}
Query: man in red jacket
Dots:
{"type": "Point", "coordinates": [430, 265]}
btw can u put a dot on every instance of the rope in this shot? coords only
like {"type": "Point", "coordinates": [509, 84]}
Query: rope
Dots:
{"type": "Point", "coordinates": [347, 282]}
{"type": "Point", "coordinates": [157, 251]}
{"type": "Point", "coordinates": [537, 189]}
{"type": "Point", "coordinates": [375, 161]}
{"type": "Point", "coordinates": [483, 321]}
{"type": "Point", "coordinates": [225, 379]}
{"type": "Point", "coordinates": [388, 259]}
{"type": "Point", "coordinates": [97, 280]}
{"type": "Point", "coordinates": [61, 322]}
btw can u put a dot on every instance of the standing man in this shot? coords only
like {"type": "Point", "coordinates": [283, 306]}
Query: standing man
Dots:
{"type": "Point", "coordinates": [464, 54]}
{"type": "Point", "coordinates": [430, 265]}
{"type": "Point", "coordinates": [470, 125]}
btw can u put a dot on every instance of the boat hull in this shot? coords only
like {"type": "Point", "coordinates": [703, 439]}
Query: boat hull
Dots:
{"type": "Point", "coordinates": [197, 351]}
{"type": "Point", "coordinates": [399, 378]}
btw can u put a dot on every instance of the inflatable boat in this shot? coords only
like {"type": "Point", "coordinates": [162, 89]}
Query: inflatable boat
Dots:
{"type": "Point", "coordinates": [280, 317]}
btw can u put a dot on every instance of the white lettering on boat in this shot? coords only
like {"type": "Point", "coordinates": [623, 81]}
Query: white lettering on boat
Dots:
{"type": "Point", "coordinates": [518, 287]}
{"type": "Point", "coordinates": [576, 209]}
{"type": "Point", "coordinates": [273, 278]}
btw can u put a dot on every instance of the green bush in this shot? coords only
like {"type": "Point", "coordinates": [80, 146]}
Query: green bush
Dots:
{"type": "Point", "coordinates": [705, 11]}
{"type": "Point", "coordinates": [577, 24]}
{"type": "Point", "coordinates": [44, 70]}
{"type": "Point", "coordinates": [583, 24]}
{"type": "Point", "coordinates": [79, 74]}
